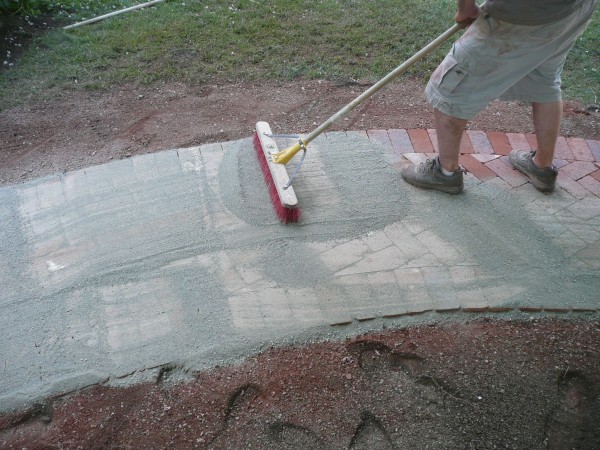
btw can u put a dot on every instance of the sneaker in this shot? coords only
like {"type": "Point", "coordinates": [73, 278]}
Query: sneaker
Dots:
{"type": "Point", "coordinates": [428, 175]}
{"type": "Point", "coordinates": [543, 179]}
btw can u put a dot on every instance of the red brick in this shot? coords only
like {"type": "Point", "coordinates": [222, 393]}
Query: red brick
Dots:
{"type": "Point", "coordinates": [502, 167]}
{"type": "Point", "coordinates": [518, 141]}
{"type": "Point", "coordinates": [433, 138]}
{"type": "Point", "coordinates": [478, 169]}
{"type": "Point", "coordinates": [578, 169]}
{"type": "Point", "coordinates": [562, 150]}
{"type": "Point", "coordinates": [465, 144]}
{"type": "Point", "coordinates": [531, 139]}
{"type": "Point", "coordinates": [480, 142]}
{"type": "Point", "coordinates": [400, 141]}
{"type": "Point", "coordinates": [381, 137]}
{"type": "Point", "coordinates": [420, 141]}
{"type": "Point", "coordinates": [499, 142]}
{"type": "Point", "coordinates": [580, 149]}
{"type": "Point", "coordinates": [594, 148]}
{"type": "Point", "coordinates": [485, 158]}
{"type": "Point", "coordinates": [558, 163]}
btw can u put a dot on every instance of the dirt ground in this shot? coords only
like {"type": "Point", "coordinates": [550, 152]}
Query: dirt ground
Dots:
{"type": "Point", "coordinates": [529, 384]}
{"type": "Point", "coordinates": [79, 129]}
{"type": "Point", "coordinates": [483, 384]}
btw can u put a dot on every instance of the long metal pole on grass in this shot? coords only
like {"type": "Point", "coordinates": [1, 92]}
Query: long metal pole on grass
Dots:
{"type": "Point", "coordinates": [99, 18]}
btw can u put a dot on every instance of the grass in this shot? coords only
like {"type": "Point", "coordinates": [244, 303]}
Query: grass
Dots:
{"type": "Point", "coordinates": [211, 41]}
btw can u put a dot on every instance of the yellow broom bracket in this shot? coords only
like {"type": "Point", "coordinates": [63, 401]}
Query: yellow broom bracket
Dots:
{"type": "Point", "coordinates": [285, 156]}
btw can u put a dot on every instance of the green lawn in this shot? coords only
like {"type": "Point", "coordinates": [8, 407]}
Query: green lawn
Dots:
{"type": "Point", "coordinates": [207, 40]}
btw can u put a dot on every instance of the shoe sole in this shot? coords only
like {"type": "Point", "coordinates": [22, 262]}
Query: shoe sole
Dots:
{"type": "Point", "coordinates": [446, 189]}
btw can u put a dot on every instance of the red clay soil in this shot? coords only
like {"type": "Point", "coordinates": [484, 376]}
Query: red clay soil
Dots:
{"type": "Point", "coordinates": [528, 384]}
{"type": "Point", "coordinates": [77, 129]}
{"type": "Point", "coordinates": [74, 129]}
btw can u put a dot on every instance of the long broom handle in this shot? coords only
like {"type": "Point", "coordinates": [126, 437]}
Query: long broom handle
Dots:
{"type": "Point", "coordinates": [381, 83]}
{"type": "Point", "coordinates": [105, 16]}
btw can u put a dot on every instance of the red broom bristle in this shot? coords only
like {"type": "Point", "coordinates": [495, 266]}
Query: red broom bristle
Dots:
{"type": "Point", "coordinates": [285, 214]}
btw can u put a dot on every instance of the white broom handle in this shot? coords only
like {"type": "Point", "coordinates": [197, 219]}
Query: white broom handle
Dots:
{"type": "Point", "coordinates": [99, 18]}
{"type": "Point", "coordinates": [381, 83]}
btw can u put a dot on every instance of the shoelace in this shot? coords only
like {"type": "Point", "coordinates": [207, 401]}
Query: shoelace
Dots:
{"type": "Point", "coordinates": [427, 166]}
{"type": "Point", "coordinates": [430, 164]}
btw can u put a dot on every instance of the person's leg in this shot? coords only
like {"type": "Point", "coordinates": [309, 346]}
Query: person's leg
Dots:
{"type": "Point", "coordinates": [485, 63]}
{"type": "Point", "coordinates": [546, 123]}
{"type": "Point", "coordinates": [537, 164]}
{"type": "Point", "coordinates": [442, 173]}
{"type": "Point", "coordinates": [542, 88]}
{"type": "Point", "coordinates": [449, 134]}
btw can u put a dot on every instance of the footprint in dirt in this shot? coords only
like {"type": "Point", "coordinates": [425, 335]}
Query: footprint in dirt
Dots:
{"type": "Point", "coordinates": [290, 436]}
{"type": "Point", "coordinates": [575, 423]}
{"type": "Point", "coordinates": [377, 359]}
{"type": "Point", "coordinates": [240, 400]}
{"type": "Point", "coordinates": [371, 435]}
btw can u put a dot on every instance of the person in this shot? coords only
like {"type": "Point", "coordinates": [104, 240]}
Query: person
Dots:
{"type": "Point", "coordinates": [512, 50]}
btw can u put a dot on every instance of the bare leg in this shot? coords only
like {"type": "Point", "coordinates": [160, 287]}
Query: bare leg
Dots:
{"type": "Point", "coordinates": [449, 134]}
{"type": "Point", "coordinates": [546, 122]}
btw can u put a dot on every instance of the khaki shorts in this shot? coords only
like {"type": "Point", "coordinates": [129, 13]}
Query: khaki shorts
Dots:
{"type": "Point", "coordinates": [495, 59]}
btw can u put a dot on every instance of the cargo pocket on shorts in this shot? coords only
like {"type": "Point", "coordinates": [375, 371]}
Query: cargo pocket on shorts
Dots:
{"type": "Point", "coordinates": [448, 75]}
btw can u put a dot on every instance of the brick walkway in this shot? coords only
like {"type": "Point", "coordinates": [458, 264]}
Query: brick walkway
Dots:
{"type": "Point", "coordinates": [177, 255]}
{"type": "Point", "coordinates": [484, 155]}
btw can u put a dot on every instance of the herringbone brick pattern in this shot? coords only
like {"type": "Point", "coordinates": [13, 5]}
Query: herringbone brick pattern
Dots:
{"type": "Point", "coordinates": [484, 156]}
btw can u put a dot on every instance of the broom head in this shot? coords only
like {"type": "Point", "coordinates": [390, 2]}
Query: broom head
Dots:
{"type": "Point", "coordinates": [276, 177]}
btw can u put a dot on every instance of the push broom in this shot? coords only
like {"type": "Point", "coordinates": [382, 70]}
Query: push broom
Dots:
{"type": "Point", "coordinates": [272, 161]}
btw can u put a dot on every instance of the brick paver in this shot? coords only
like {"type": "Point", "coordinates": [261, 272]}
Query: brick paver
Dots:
{"type": "Point", "coordinates": [580, 149]}
{"type": "Point", "coordinates": [480, 142]}
{"type": "Point", "coordinates": [483, 155]}
{"type": "Point", "coordinates": [563, 151]}
{"type": "Point", "coordinates": [136, 253]}
{"type": "Point", "coordinates": [578, 169]}
{"type": "Point", "coordinates": [400, 141]}
{"type": "Point", "coordinates": [570, 217]}
{"type": "Point", "coordinates": [592, 184]}
{"type": "Point", "coordinates": [531, 139]}
{"type": "Point", "coordinates": [518, 141]}
{"type": "Point", "coordinates": [420, 140]}
{"type": "Point", "coordinates": [499, 142]}
{"type": "Point", "coordinates": [594, 148]}
{"type": "Point", "coordinates": [476, 167]}
{"type": "Point", "coordinates": [505, 171]}
{"type": "Point", "coordinates": [381, 137]}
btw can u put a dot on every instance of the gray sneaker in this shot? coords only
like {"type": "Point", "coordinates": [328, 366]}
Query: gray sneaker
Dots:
{"type": "Point", "coordinates": [428, 175]}
{"type": "Point", "coordinates": [543, 179]}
